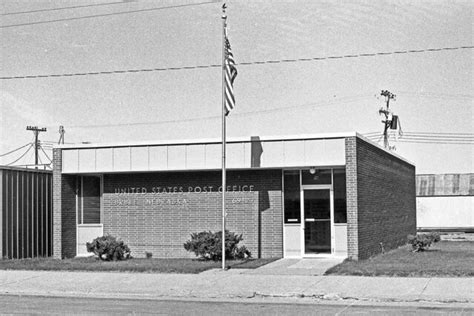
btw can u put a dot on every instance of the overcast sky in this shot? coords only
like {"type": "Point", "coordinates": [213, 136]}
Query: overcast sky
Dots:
{"type": "Point", "coordinates": [433, 88]}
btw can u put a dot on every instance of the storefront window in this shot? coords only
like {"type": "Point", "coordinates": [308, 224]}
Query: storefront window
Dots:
{"type": "Point", "coordinates": [316, 176]}
{"type": "Point", "coordinates": [89, 200]}
{"type": "Point", "coordinates": [340, 208]}
{"type": "Point", "coordinates": [292, 196]}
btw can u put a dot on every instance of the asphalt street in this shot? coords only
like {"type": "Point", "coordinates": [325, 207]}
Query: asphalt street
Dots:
{"type": "Point", "coordinates": [14, 304]}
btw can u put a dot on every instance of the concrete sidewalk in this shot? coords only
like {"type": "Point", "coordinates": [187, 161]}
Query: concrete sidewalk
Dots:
{"type": "Point", "coordinates": [238, 284]}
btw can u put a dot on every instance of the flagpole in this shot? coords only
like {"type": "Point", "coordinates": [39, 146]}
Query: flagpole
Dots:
{"type": "Point", "coordinates": [224, 24]}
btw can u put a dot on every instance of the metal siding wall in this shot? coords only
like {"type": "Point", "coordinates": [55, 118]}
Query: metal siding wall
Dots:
{"type": "Point", "coordinates": [2, 211]}
{"type": "Point", "coordinates": [34, 217]}
{"type": "Point", "coordinates": [21, 214]}
{"type": "Point", "coordinates": [26, 213]}
{"type": "Point", "coordinates": [29, 215]}
{"type": "Point", "coordinates": [14, 218]}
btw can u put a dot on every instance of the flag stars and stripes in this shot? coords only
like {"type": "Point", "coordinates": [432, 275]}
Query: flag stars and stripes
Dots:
{"type": "Point", "coordinates": [230, 74]}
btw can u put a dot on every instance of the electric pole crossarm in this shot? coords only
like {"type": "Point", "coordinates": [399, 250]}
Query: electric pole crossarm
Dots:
{"type": "Point", "coordinates": [388, 115]}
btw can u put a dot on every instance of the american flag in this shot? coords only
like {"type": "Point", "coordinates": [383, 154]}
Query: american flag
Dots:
{"type": "Point", "coordinates": [230, 74]}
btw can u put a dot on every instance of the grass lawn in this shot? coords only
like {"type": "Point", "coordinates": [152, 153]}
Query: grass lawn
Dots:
{"type": "Point", "coordinates": [131, 265]}
{"type": "Point", "coordinates": [442, 259]}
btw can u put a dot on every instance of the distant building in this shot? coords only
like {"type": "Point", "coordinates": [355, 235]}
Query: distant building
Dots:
{"type": "Point", "coordinates": [305, 196]}
{"type": "Point", "coordinates": [445, 202]}
{"type": "Point", "coordinates": [26, 213]}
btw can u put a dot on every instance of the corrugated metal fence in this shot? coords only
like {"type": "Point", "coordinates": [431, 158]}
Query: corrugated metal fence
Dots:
{"type": "Point", "coordinates": [26, 213]}
{"type": "Point", "coordinates": [450, 184]}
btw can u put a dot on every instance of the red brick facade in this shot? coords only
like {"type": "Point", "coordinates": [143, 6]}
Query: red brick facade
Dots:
{"type": "Point", "coordinates": [381, 203]}
{"type": "Point", "coordinates": [64, 211]}
{"type": "Point", "coordinates": [170, 206]}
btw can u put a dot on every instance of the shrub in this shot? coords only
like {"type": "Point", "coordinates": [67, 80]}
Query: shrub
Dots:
{"type": "Point", "coordinates": [208, 245]}
{"type": "Point", "coordinates": [420, 242]}
{"type": "Point", "coordinates": [109, 248]}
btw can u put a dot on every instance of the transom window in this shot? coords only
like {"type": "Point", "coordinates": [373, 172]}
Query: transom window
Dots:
{"type": "Point", "coordinates": [293, 179]}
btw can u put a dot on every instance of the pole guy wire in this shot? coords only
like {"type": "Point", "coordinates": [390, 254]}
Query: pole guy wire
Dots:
{"type": "Point", "coordinates": [14, 150]}
{"type": "Point", "coordinates": [24, 154]}
{"type": "Point", "coordinates": [41, 147]}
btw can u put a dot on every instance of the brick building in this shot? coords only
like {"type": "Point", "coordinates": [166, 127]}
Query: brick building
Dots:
{"type": "Point", "coordinates": [305, 196]}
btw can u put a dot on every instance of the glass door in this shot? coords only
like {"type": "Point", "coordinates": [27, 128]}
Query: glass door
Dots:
{"type": "Point", "coordinates": [317, 221]}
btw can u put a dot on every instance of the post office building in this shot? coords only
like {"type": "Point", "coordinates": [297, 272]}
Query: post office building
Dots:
{"type": "Point", "coordinates": [304, 196]}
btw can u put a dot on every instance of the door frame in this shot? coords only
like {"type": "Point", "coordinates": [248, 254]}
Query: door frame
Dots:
{"type": "Point", "coordinates": [303, 223]}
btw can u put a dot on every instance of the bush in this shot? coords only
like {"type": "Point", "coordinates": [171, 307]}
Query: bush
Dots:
{"type": "Point", "coordinates": [109, 248]}
{"type": "Point", "coordinates": [420, 242]}
{"type": "Point", "coordinates": [208, 245]}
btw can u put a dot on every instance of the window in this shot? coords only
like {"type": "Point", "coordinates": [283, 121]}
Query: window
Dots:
{"type": "Point", "coordinates": [292, 196]}
{"type": "Point", "coordinates": [88, 200]}
{"type": "Point", "coordinates": [316, 176]}
{"type": "Point", "coordinates": [340, 208]}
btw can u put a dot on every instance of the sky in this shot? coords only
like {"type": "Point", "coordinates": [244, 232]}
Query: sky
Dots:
{"type": "Point", "coordinates": [434, 89]}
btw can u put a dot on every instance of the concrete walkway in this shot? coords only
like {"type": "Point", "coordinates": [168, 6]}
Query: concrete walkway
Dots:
{"type": "Point", "coordinates": [240, 284]}
{"type": "Point", "coordinates": [313, 266]}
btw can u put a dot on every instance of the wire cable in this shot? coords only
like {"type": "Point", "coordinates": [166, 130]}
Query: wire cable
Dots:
{"type": "Point", "coordinates": [281, 61]}
{"type": "Point", "coordinates": [24, 154]}
{"type": "Point", "coordinates": [64, 8]}
{"type": "Point", "coordinates": [107, 14]}
{"type": "Point", "coordinates": [50, 160]}
{"type": "Point", "coordinates": [312, 104]}
{"type": "Point", "coordinates": [429, 138]}
{"type": "Point", "coordinates": [15, 150]}
{"type": "Point", "coordinates": [435, 142]}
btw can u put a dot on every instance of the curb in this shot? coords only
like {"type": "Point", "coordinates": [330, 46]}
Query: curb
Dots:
{"type": "Point", "coordinates": [330, 298]}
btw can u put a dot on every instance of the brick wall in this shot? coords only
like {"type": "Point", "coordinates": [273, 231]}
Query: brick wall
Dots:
{"type": "Point", "coordinates": [351, 199]}
{"type": "Point", "coordinates": [64, 210]}
{"type": "Point", "coordinates": [156, 212]}
{"type": "Point", "coordinates": [383, 203]}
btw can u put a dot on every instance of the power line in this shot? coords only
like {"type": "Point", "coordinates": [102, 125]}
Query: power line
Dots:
{"type": "Point", "coordinates": [414, 136]}
{"type": "Point", "coordinates": [280, 61]}
{"type": "Point", "coordinates": [435, 142]}
{"type": "Point", "coordinates": [426, 94]}
{"type": "Point", "coordinates": [430, 138]}
{"type": "Point", "coordinates": [15, 150]}
{"type": "Point", "coordinates": [312, 104]}
{"type": "Point", "coordinates": [434, 138]}
{"type": "Point", "coordinates": [107, 14]}
{"type": "Point", "coordinates": [428, 133]}
{"type": "Point", "coordinates": [440, 134]}
{"type": "Point", "coordinates": [24, 154]}
{"type": "Point", "coordinates": [64, 8]}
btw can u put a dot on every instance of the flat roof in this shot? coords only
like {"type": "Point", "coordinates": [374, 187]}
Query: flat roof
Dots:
{"type": "Point", "coordinates": [229, 140]}
{"type": "Point", "coordinates": [207, 140]}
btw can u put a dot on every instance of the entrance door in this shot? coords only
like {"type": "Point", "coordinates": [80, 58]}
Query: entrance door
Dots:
{"type": "Point", "coordinates": [317, 221]}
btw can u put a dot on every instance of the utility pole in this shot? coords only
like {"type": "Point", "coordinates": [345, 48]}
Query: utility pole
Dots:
{"type": "Point", "coordinates": [36, 131]}
{"type": "Point", "coordinates": [389, 122]}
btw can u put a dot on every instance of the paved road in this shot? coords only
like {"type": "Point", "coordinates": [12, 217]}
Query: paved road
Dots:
{"type": "Point", "coordinates": [12, 304]}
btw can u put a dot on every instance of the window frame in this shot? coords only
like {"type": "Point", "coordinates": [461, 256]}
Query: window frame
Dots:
{"type": "Point", "coordinates": [80, 200]}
